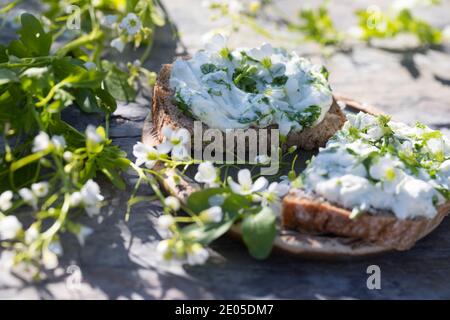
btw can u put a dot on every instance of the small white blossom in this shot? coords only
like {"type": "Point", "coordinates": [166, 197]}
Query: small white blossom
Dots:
{"type": "Point", "coordinates": [213, 214]}
{"type": "Point", "coordinates": [40, 189]}
{"type": "Point", "coordinates": [92, 198]}
{"type": "Point", "coordinates": [261, 53]}
{"type": "Point", "coordinates": [207, 174]}
{"type": "Point", "coordinates": [31, 234]}
{"type": "Point", "coordinates": [92, 135]}
{"type": "Point", "coordinates": [164, 249]}
{"type": "Point", "coordinates": [118, 44]}
{"type": "Point", "coordinates": [246, 185]}
{"type": "Point", "coordinates": [9, 227]}
{"type": "Point", "coordinates": [41, 142]}
{"type": "Point", "coordinates": [29, 197]}
{"type": "Point", "coordinates": [272, 196]}
{"type": "Point", "coordinates": [216, 44]}
{"type": "Point", "coordinates": [5, 200]}
{"type": "Point", "coordinates": [131, 24]}
{"type": "Point", "coordinates": [165, 221]}
{"type": "Point", "coordinates": [145, 155]}
{"type": "Point", "coordinates": [75, 199]}
{"type": "Point", "coordinates": [68, 156]}
{"type": "Point", "coordinates": [173, 203]}
{"type": "Point", "coordinates": [384, 169]}
{"type": "Point", "coordinates": [59, 142]}
{"type": "Point", "coordinates": [176, 141]}
{"type": "Point", "coordinates": [197, 254]}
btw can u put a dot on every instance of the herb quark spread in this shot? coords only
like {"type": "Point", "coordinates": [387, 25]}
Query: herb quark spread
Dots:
{"type": "Point", "coordinates": [374, 164]}
{"type": "Point", "coordinates": [242, 88]}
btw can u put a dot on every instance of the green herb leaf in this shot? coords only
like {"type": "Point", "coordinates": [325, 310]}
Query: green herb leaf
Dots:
{"type": "Point", "coordinates": [208, 68]}
{"type": "Point", "coordinates": [7, 76]}
{"type": "Point", "coordinates": [34, 41]}
{"type": "Point", "coordinates": [116, 82]}
{"type": "Point", "coordinates": [259, 232]}
{"type": "Point", "coordinates": [279, 81]}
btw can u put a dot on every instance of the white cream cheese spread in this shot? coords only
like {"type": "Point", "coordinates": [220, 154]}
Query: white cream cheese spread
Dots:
{"type": "Point", "coordinates": [374, 164]}
{"type": "Point", "coordinates": [230, 89]}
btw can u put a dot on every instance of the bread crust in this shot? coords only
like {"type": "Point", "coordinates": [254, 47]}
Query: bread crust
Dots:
{"type": "Point", "coordinates": [306, 213]}
{"type": "Point", "coordinates": [166, 113]}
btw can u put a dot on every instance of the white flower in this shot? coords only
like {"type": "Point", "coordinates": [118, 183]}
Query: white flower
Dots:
{"type": "Point", "coordinates": [261, 53]}
{"type": "Point", "coordinates": [176, 141]}
{"type": "Point", "coordinates": [41, 142]}
{"type": "Point", "coordinates": [145, 155]}
{"type": "Point", "coordinates": [216, 44]}
{"type": "Point", "coordinates": [206, 173]}
{"type": "Point", "coordinates": [197, 255]}
{"type": "Point", "coordinates": [384, 169]}
{"type": "Point", "coordinates": [40, 189]}
{"type": "Point", "coordinates": [5, 200]}
{"type": "Point", "coordinates": [9, 227]}
{"type": "Point", "coordinates": [164, 249]}
{"type": "Point", "coordinates": [90, 65]}
{"type": "Point", "coordinates": [262, 159]}
{"type": "Point", "coordinates": [83, 234]}
{"type": "Point", "coordinates": [213, 215]}
{"type": "Point", "coordinates": [90, 193]}
{"type": "Point", "coordinates": [118, 44]}
{"type": "Point", "coordinates": [31, 234]}
{"type": "Point", "coordinates": [68, 156]}
{"type": "Point", "coordinates": [92, 135]}
{"type": "Point", "coordinates": [245, 185]}
{"type": "Point", "coordinates": [29, 197]}
{"type": "Point", "coordinates": [272, 196]}
{"type": "Point", "coordinates": [375, 133]}
{"type": "Point", "coordinates": [165, 221]}
{"type": "Point", "coordinates": [131, 24]}
{"type": "Point", "coordinates": [173, 203]}
{"type": "Point", "coordinates": [75, 199]}
{"type": "Point", "coordinates": [59, 142]}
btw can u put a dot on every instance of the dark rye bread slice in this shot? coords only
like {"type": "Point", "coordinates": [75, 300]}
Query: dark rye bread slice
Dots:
{"type": "Point", "coordinates": [312, 214]}
{"type": "Point", "coordinates": [166, 113]}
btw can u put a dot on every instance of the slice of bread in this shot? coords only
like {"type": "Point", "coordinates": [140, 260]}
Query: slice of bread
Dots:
{"type": "Point", "coordinates": [166, 113]}
{"type": "Point", "coordinates": [304, 212]}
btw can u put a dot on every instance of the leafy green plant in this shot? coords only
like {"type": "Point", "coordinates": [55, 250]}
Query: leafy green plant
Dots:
{"type": "Point", "coordinates": [376, 24]}
{"type": "Point", "coordinates": [48, 165]}
{"type": "Point", "coordinates": [316, 25]}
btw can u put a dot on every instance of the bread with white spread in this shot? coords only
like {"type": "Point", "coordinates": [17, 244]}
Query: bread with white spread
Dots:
{"type": "Point", "coordinates": [377, 180]}
{"type": "Point", "coordinates": [239, 91]}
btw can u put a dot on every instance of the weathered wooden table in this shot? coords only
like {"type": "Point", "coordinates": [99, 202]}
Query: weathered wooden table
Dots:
{"type": "Point", "coordinates": [118, 260]}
